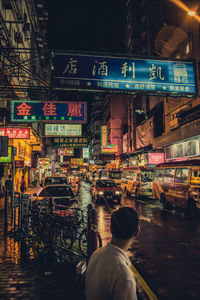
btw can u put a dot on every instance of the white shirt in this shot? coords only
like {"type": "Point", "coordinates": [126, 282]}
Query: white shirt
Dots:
{"type": "Point", "coordinates": [108, 275]}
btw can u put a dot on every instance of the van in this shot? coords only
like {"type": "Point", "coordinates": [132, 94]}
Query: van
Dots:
{"type": "Point", "coordinates": [115, 174]}
{"type": "Point", "coordinates": [137, 181]}
{"type": "Point", "coordinates": [178, 183]}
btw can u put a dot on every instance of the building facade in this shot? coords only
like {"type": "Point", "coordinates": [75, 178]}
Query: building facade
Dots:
{"type": "Point", "coordinates": [167, 32]}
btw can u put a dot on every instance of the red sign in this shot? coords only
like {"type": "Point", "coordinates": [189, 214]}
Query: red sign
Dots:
{"type": "Point", "coordinates": [19, 164]}
{"type": "Point", "coordinates": [15, 133]}
{"type": "Point", "coordinates": [156, 158]}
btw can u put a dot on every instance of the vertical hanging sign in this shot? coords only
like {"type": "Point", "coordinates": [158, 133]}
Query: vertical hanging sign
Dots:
{"type": "Point", "coordinates": [105, 147]}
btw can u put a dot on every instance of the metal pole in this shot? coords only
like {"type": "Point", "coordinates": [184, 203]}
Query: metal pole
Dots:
{"type": "Point", "coordinates": [13, 176]}
{"type": "Point", "coordinates": [6, 212]}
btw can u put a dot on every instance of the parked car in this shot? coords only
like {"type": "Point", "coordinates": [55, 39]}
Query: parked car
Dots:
{"type": "Point", "coordinates": [60, 196]}
{"type": "Point", "coordinates": [55, 179]}
{"type": "Point", "coordinates": [105, 190]}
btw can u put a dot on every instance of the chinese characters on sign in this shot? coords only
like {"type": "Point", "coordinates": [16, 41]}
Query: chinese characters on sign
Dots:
{"type": "Point", "coordinates": [130, 75]}
{"type": "Point", "coordinates": [76, 142]}
{"type": "Point", "coordinates": [63, 129]}
{"type": "Point", "coordinates": [15, 133]}
{"type": "Point", "coordinates": [105, 147]}
{"type": "Point", "coordinates": [31, 111]}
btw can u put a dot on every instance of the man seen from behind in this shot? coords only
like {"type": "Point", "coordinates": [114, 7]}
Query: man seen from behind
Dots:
{"type": "Point", "coordinates": [108, 275]}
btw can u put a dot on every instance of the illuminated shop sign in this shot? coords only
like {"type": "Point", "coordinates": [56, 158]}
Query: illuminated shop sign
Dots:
{"type": "Point", "coordinates": [31, 111]}
{"type": "Point", "coordinates": [37, 148]}
{"type": "Point", "coordinates": [86, 152]}
{"type": "Point", "coordinates": [155, 158]}
{"type": "Point", "coordinates": [15, 133]}
{"type": "Point", "coordinates": [63, 129]}
{"type": "Point", "coordinates": [105, 147]}
{"type": "Point", "coordinates": [66, 151]}
{"type": "Point", "coordinates": [77, 161]}
{"type": "Point", "coordinates": [75, 142]}
{"type": "Point", "coordinates": [7, 158]}
{"type": "Point", "coordinates": [132, 75]}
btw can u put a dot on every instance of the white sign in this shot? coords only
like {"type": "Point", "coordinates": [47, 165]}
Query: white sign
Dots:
{"type": "Point", "coordinates": [63, 129]}
{"type": "Point", "coordinates": [86, 152]}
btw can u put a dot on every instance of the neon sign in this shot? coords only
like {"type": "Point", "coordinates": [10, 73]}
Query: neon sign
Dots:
{"type": "Point", "coordinates": [63, 129]}
{"type": "Point", "coordinates": [132, 75]}
{"type": "Point", "coordinates": [32, 111]}
{"type": "Point", "coordinates": [15, 133]}
{"type": "Point", "coordinates": [66, 151]}
{"type": "Point", "coordinates": [156, 158]}
{"type": "Point", "coordinates": [105, 147]}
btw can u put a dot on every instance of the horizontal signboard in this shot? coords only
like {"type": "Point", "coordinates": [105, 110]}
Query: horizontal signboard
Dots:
{"type": "Point", "coordinates": [63, 130]}
{"type": "Point", "coordinates": [37, 148]}
{"type": "Point", "coordinates": [76, 161]}
{"type": "Point", "coordinates": [15, 133]}
{"type": "Point", "coordinates": [66, 151]}
{"type": "Point", "coordinates": [152, 76]}
{"type": "Point", "coordinates": [31, 111]}
{"type": "Point", "coordinates": [70, 142]}
{"type": "Point", "coordinates": [155, 158]}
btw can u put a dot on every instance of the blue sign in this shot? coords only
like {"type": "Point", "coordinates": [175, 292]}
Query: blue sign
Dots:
{"type": "Point", "coordinates": [66, 112]}
{"type": "Point", "coordinates": [85, 72]}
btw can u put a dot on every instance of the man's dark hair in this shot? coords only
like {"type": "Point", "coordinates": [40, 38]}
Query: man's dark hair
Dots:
{"type": "Point", "coordinates": [124, 223]}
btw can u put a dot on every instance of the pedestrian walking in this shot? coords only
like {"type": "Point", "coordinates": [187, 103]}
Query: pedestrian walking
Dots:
{"type": "Point", "coordinates": [108, 274]}
{"type": "Point", "coordinates": [23, 185]}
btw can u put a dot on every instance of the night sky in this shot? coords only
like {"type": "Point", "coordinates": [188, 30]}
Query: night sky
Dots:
{"type": "Point", "coordinates": [94, 26]}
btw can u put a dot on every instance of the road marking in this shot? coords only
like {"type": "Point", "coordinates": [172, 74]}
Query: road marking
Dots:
{"type": "Point", "coordinates": [143, 284]}
{"type": "Point", "coordinates": [145, 219]}
{"type": "Point", "coordinates": [149, 205]}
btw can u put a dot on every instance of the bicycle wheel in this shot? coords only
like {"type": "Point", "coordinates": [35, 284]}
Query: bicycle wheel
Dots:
{"type": "Point", "coordinates": [83, 242]}
{"type": "Point", "coordinates": [67, 237]}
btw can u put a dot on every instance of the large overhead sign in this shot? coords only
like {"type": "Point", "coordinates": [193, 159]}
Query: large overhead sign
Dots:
{"type": "Point", "coordinates": [70, 142]}
{"type": "Point", "coordinates": [66, 112]}
{"type": "Point", "coordinates": [132, 75]}
{"type": "Point", "coordinates": [105, 147]}
{"type": "Point", "coordinates": [63, 129]}
{"type": "Point", "coordinates": [15, 133]}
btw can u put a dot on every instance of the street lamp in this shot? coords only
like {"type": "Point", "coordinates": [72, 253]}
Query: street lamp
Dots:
{"type": "Point", "coordinates": [191, 13]}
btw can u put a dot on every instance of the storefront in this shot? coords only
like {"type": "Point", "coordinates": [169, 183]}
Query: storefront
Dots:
{"type": "Point", "coordinates": [183, 150]}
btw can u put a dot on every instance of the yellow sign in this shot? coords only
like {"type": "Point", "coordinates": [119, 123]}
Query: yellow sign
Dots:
{"type": "Point", "coordinates": [7, 158]}
{"type": "Point", "coordinates": [77, 161]}
{"type": "Point", "coordinates": [37, 148]}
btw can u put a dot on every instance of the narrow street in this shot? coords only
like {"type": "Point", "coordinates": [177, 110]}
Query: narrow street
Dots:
{"type": "Point", "coordinates": [167, 246]}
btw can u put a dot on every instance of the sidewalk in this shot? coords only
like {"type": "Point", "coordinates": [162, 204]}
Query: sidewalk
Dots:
{"type": "Point", "coordinates": [23, 270]}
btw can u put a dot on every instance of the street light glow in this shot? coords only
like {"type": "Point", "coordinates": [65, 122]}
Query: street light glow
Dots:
{"type": "Point", "coordinates": [191, 13]}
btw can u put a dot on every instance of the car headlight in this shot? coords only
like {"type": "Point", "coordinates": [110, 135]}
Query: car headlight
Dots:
{"type": "Point", "coordinates": [117, 192]}
{"type": "Point", "coordinates": [100, 193]}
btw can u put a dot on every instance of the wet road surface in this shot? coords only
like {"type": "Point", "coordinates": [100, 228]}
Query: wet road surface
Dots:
{"type": "Point", "coordinates": [166, 254]}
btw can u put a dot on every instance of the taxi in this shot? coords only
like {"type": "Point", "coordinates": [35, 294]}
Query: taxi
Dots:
{"type": "Point", "coordinates": [105, 190]}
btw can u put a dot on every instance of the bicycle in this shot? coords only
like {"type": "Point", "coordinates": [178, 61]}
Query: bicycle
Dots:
{"type": "Point", "coordinates": [64, 229]}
